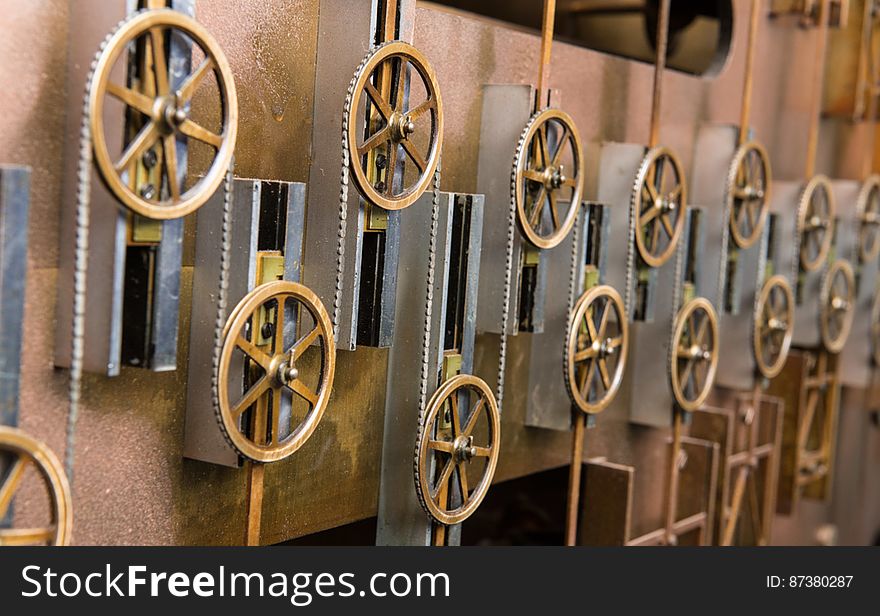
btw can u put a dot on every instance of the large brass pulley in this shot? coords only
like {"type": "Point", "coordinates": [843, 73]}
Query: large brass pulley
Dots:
{"type": "Point", "coordinates": [837, 307]}
{"type": "Point", "coordinates": [658, 205]}
{"type": "Point", "coordinates": [748, 193]}
{"type": "Point", "coordinates": [694, 354]}
{"type": "Point", "coordinates": [815, 222]}
{"type": "Point", "coordinates": [596, 349]}
{"type": "Point", "coordinates": [548, 178]}
{"type": "Point", "coordinates": [394, 159]}
{"type": "Point", "coordinates": [868, 208]}
{"type": "Point", "coordinates": [454, 446]}
{"type": "Point", "coordinates": [773, 326]}
{"type": "Point", "coordinates": [146, 176]}
{"type": "Point", "coordinates": [26, 458]}
{"type": "Point", "coordinates": [280, 341]}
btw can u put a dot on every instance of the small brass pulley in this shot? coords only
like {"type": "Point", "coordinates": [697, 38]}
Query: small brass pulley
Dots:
{"type": "Point", "coordinates": [394, 159]}
{"type": "Point", "coordinates": [23, 453]}
{"type": "Point", "coordinates": [815, 222]}
{"type": "Point", "coordinates": [868, 208]}
{"type": "Point", "coordinates": [279, 338]}
{"type": "Point", "coordinates": [596, 349]}
{"type": "Point", "coordinates": [837, 307]}
{"type": "Point", "coordinates": [773, 326]}
{"type": "Point", "coordinates": [694, 354]}
{"type": "Point", "coordinates": [658, 205]}
{"type": "Point", "coordinates": [748, 193]}
{"type": "Point", "coordinates": [452, 446]}
{"type": "Point", "coordinates": [159, 107]}
{"type": "Point", "coordinates": [548, 178]}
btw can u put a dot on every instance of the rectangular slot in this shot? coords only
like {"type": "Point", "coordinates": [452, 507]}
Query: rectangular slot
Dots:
{"type": "Point", "coordinates": [458, 268]}
{"type": "Point", "coordinates": [370, 297]}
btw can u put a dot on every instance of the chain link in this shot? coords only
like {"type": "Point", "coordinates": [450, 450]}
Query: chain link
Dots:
{"type": "Point", "coordinates": [576, 253]}
{"type": "Point", "coordinates": [222, 297]}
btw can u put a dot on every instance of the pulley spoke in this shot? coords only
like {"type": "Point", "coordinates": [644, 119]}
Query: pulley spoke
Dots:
{"type": "Point", "coordinates": [414, 155]}
{"type": "Point", "coordinates": [251, 396]}
{"type": "Point", "coordinates": [421, 109]}
{"type": "Point", "coordinates": [170, 148]}
{"type": "Point", "coordinates": [200, 133]}
{"type": "Point", "coordinates": [10, 485]}
{"type": "Point", "coordinates": [253, 352]}
{"type": "Point", "coordinates": [303, 343]}
{"type": "Point", "coordinates": [475, 415]}
{"type": "Point", "coordinates": [304, 392]}
{"type": "Point", "coordinates": [189, 87]}
{"type": "Point", "coordinates": [133, 99]}
{"type": "Point", "coordinates": [146, 137]}
{"type": "Point", "coordinates": [463, 481]}
{"type": "Point", "coordinates": [26, 536]}
{"type": "Point", "coordinates": [380, 137]}
{"type": "Point", "coordinates": [444, 446]}
{"type": "Point", "coordinates": [384, 108]}
{"type": "Point", "coordinates": [160, 64]}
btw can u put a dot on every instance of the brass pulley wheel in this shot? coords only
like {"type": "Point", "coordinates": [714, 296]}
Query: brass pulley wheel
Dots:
{"type": "Point", "coordinates": [280, 341]}
{"type": "Point", "coordinates": [24, 457]}
{"type": "Point", "coordinates": [548, 178]}
{"type": "Point", "coordinates": [658, 205]}
{"type": "Point", "coordinates": [748, 193]}
{"type": "Point", "coordinates": [694, 354]}
{"type": "Point", "coordinates": [404, 126]}
{"type": "Point", "coordinates": [597, 338]}
{"type": "Point", "coordinates": [815, 222]}
{"type": "Point", "coordinates": [773, 326]}
{"type": "Point", "coordinates": [868, 208]}
{"type": "Point", "coordinates": [160, 108]}
{"type": "Point", "coordinates": [837, 306]}
{"type": "Point", "coordinates": [454, 447]}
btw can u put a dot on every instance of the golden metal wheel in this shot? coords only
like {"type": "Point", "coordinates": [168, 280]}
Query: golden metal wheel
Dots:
{"type": "Point", "coordinates": [280, 340]}
{"type": "Point", "coordinates": [597, 336]}
{"type": "Point", "coordinates": [868, 207]}
{"type": "Point", "coordinates": [773, 326]}
{"type": "Point", "coordinates": [450, 443]}
{"type": "Point", "coordinates": [19, 453]}
{"type": "Point", "coordinates": [658, 205]}
{"type": "Point", "coordinates": [161, 110]}
{"type": "Point", "coordinates": [404, 126]}
{"type": "Point", "coordinates": [748, 193]}
{"type": "Point", "coordinates": [694, 354]}
{"type": "Point", "coordinates": [837, 306]}
{"type": "Point", "coordinates": [815, 222]}
{"type": "Point", "coordinates": [548, 175]}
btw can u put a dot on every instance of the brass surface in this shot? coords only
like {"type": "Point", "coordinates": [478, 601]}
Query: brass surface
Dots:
{"type": "Point", "coordinates": [773, 326]}
{"type": "Point", "coordinates": [542, 181]}
{"type": "Point", "coordinates": [837, 305]}
{"type": "Point", "coordinates": [279, 370]}
{"type": "Point", "coordinates": [659, 201]}
{"type": "Point", "coordinates": [816, 211]}
{"type": "Point", "coordinates": [598, 335]}
{"type": "Point", "coordinates": [447, 445]}
{"type": "Point", "coordinates": [748, 193]}
{"type": "Point", "coordinates": [24, 453]}
{"type": "Point", "coordinates": [694, 354]}
{"type": "Point", "coordinates": [166, 113]}
{"type": "Point", "coordinates": [394, 126]}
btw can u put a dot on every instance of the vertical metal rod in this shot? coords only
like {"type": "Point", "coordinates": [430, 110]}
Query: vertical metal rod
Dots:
{"type": "Point", "coordinates": [745, 111]}
{"type": "Point", "coordinates": [255, 472]}
{"type": "Point", "coordinates": [574, 477]}
{"type": "Point", "coordinates": [735, 505]}
{"type": "Point", "coordinates": [389, 21]}
{"type": "Point", "coordinates": [659, 66]}
{"type": "Point", "coordinates": [672, 491]}
{"type": "Point", "coordinates": [865, 81]}
{"type": "Point", "coordinates": [816, 104]}
{"type": "Point", "coordinates": [546, 46]}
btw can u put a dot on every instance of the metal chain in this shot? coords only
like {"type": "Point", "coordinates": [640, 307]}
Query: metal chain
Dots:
{"type": "Point", "coordinates": [634, 203]}
{"type": "Point", "coordinates": [424, 375]}
{"type": "Point", "coordinates": [81, 262]}
{"type": "Point", "coordinates": [222, 297]}
{"type": "Point", "coordinates": [572, 292]}
{"type": "Point", "coordinates": [508, 264]}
